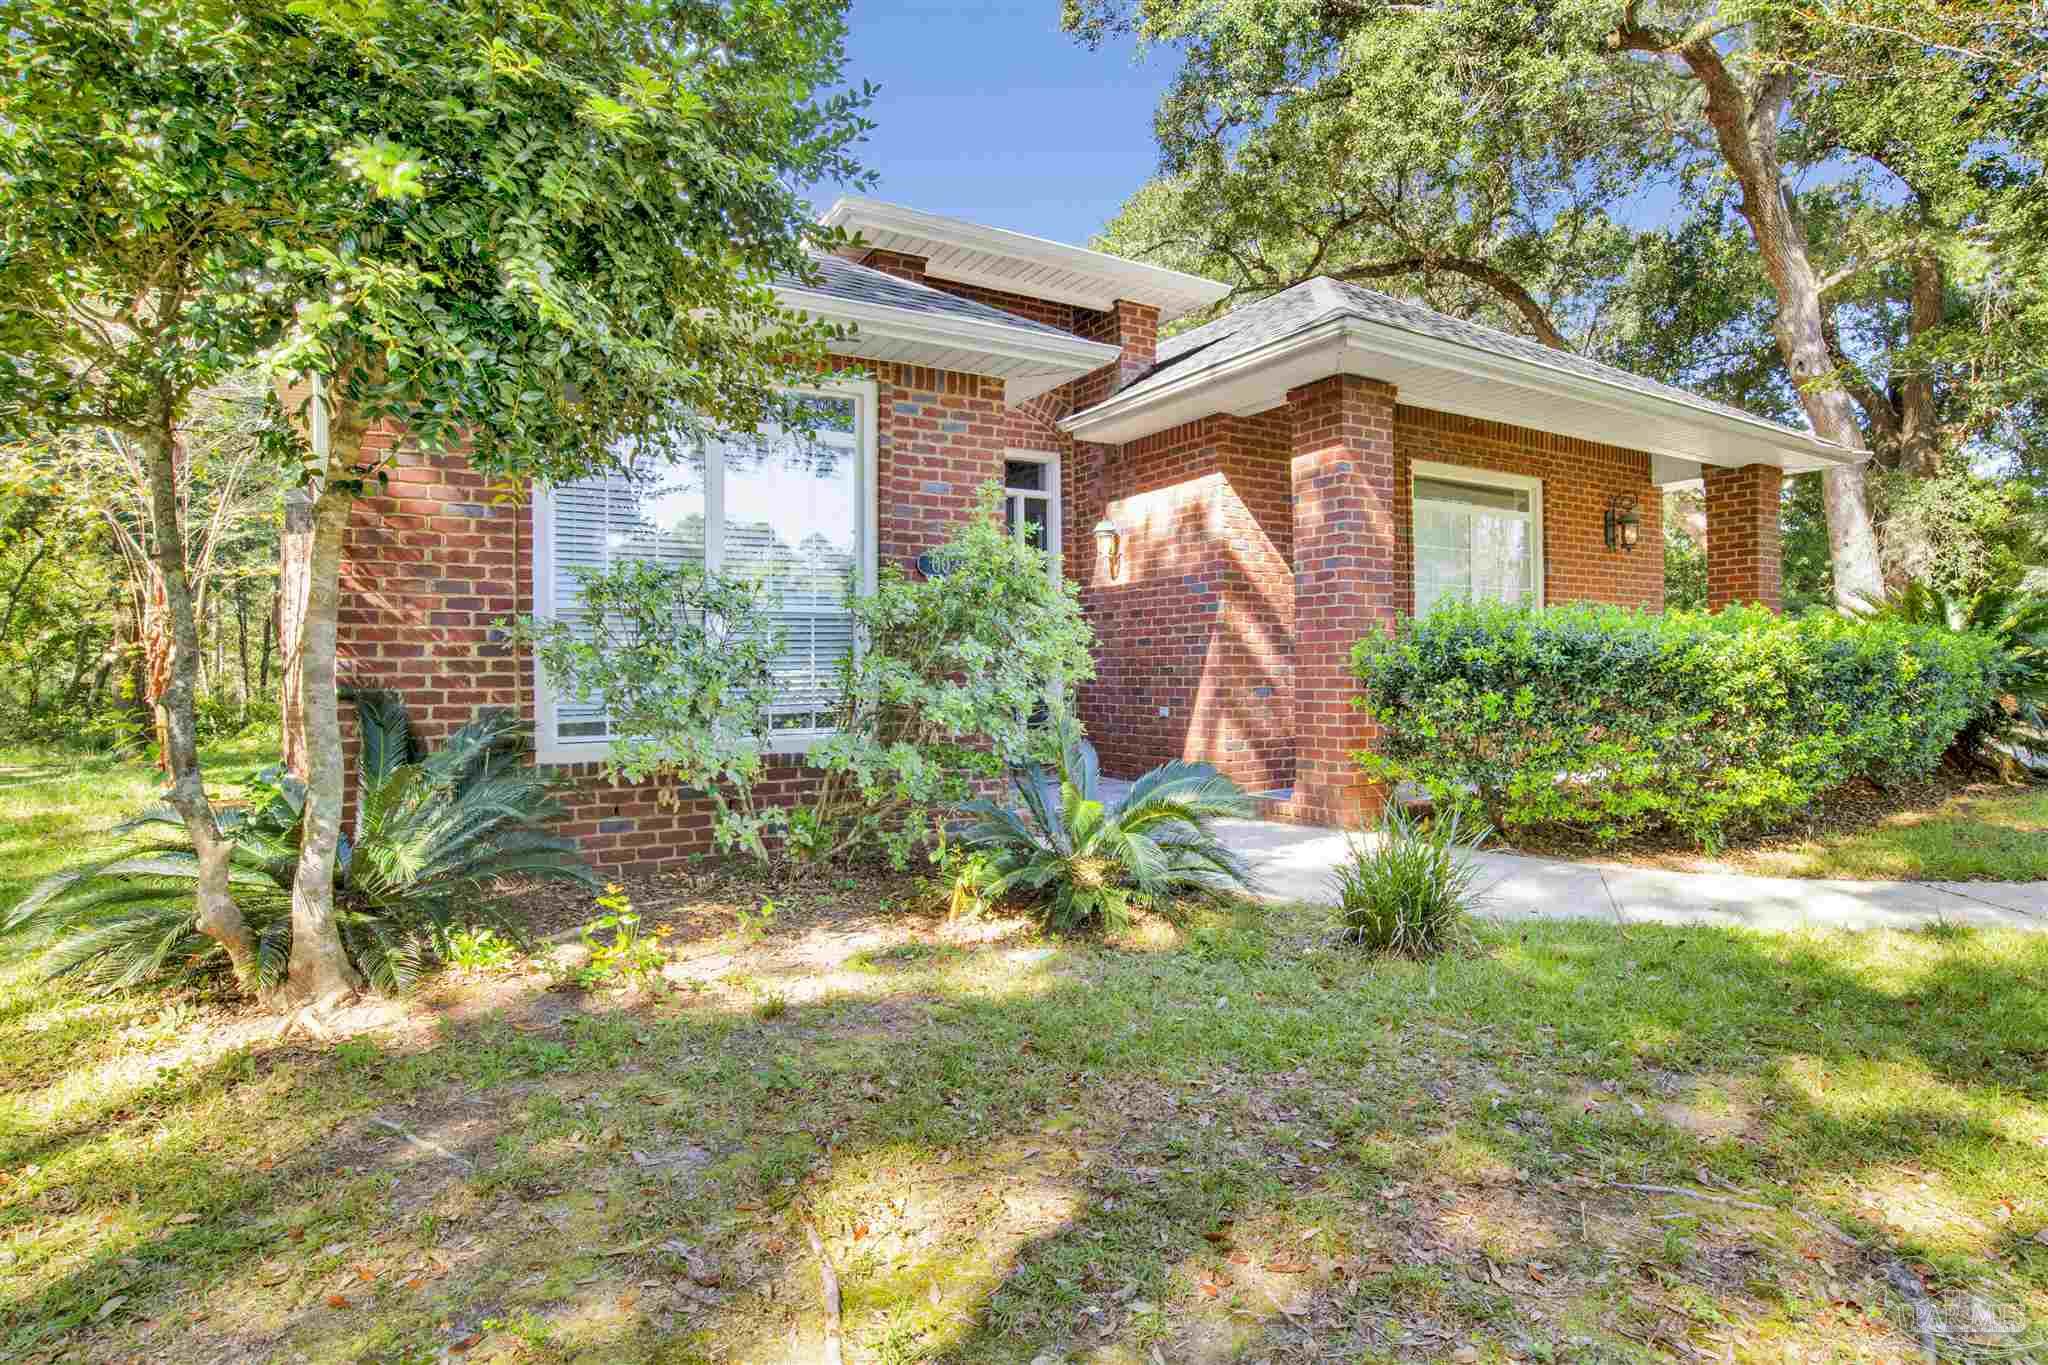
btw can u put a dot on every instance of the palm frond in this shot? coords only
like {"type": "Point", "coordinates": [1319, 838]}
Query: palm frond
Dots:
{"type": "Point", "coordinates": [1082, 862]}
{"type": "Point", "coordinates": [385, 745]}
{"type": "Point", "coordinates": [434, 836]}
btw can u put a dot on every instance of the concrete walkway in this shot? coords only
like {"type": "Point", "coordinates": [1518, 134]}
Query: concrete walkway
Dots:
{"type": "Point", "coordinates": [1294, 863]}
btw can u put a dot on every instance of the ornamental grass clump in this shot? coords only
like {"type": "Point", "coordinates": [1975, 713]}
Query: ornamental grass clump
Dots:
{"type": "Point", "coordinates": [1409, 887]}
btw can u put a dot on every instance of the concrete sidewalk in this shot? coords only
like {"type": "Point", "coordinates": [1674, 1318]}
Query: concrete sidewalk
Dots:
{"type": "Point", "coordinates": [1294, 863]}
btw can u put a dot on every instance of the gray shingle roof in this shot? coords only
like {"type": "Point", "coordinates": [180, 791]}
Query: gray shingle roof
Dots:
{"type": "Point", "coordinates": [1318, 300]}
{"type": "Point", "coordinates": [844, 279]}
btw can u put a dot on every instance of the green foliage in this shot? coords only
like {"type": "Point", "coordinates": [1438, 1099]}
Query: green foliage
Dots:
{"type": "Point", "coordinates": [941, 692]}
{"type": "Point", "coordinates": [937, 695]}
{"type": "Point", "coordinates": [1685, 560]}
{"type": "Point", "coordinates": [1617, 723]}
{"type": "Point", "coordinates": [2014, 626]}
{"type": "Point", "coordinates": [1508, 161]}
{"type": "Point", "coordinates": [1809, 571]}
{"type": "Point", "coordinates": [683, 661]}
{"type": "Point", "coordinates": [630, 958]}
{"type": "Point", "coordinates": [1408, 887]}
{"type": "Point", "coordinates": [550, 237]}
{"type": "Point", "coordinates": [1959, 532]}
{"type": "Point", "coordinates": [1082, 863]}
{"type": "Point", "coordinates": [434, 834]}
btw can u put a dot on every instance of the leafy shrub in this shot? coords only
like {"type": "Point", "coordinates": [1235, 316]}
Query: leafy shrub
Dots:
{"type": "Point", "coordinates": [1407, 887]}
{"type": "Point", "coordinates": [433, 833]}
{"type": "Point", "coordinates": [942, 694]}
{"type": "Point", "coordinates": [937, 696]}
{"type": "Point", "coordinates": [2014, 725]}
{"type": "Point", "coordinates": [1616, 723]}
{"type": "Point", "coordinates": [683, 661]}
{"type": "Point", "coordinates": [1083, 863]}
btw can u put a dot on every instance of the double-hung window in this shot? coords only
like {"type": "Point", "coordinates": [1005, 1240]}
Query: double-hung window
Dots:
{"type": "Point", "coordinates": [796, 512]}
{"type": "Point", "coordinates": [1478, 536]}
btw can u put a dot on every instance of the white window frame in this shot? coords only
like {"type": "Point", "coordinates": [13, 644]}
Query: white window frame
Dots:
{"type": "Point", "coordinates": [1054, 517]}
{"type": "Point", "coordinates": [549, 747]}
{"type": "Point", "coordinates": [1481, 478]}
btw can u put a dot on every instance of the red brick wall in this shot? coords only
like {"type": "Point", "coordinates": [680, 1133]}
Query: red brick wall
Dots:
{"type": "Point", "coordinates": [1579, 478]}
{"type": "Point", "coordinates": [1197, 617]}
{"type": "Point", "coordinates": [1216, 665]}
{"type": "Point", "coordinates": [1345, 489]}
{"type": "Point", "coordinates": [432, 562]}
{"type": "Point", "coordinates": [1745, 551]}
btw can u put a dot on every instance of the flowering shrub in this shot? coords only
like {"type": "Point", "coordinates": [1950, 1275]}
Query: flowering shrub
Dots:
{"type": "Point", "coordinates": [1616, 723]}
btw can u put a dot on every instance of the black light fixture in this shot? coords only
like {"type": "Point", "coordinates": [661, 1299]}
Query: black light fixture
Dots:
{"type": "Point", "coordinates": [1623, 526]}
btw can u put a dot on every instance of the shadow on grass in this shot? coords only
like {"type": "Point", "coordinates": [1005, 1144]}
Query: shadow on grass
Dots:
{"type": "Point", "coordinates": [1252, 1146]}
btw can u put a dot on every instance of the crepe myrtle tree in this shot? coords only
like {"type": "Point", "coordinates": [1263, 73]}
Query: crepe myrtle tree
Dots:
{"type": "Point", "coordinates": [143, 160]}
{"type": "Point", "coordinates": [552, 243]}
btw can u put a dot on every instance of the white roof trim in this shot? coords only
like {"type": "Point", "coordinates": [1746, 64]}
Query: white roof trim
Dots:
{"type": "Point", "coordinates": [997, 258]}
{"type": "Point", "coordinates": [1030, 360]}
{"type": "Point", "coordinates": [1448, 376]}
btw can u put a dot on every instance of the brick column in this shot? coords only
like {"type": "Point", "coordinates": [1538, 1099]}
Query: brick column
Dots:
{"type": "Point", "coordinates": [1745, 554]}
{"type": "Point", "coordinates": [1344, 570]}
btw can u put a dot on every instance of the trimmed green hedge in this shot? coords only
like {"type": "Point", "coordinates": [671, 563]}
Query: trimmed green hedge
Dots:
{"type": "Point", "coordinates": [1616, 723]}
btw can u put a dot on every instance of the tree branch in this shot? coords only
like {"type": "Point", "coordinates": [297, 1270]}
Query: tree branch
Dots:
{"type": "Point", "coordinates": [1498, 280]}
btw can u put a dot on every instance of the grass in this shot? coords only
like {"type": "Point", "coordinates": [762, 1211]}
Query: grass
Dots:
{"type": "Point", "coordinates": [1983, 834]}
{"type": "Point", "coordinates": [1248, 1143]}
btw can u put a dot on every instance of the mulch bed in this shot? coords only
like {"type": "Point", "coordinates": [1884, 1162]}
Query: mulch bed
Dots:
{"type": "Point", "coordinates": [704, 900]}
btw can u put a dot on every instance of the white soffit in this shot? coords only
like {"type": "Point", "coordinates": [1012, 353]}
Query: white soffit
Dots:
{"type": "Point", "coordinates": [1445, 376]}
{"type": "Point", "coordinates": [997, 258]}
{"type": "Point", "coordinates": [1029, 361]}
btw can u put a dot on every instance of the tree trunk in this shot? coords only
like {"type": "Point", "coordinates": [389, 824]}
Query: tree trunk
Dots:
{"type": "Point", "coordinates": [320, 968]}
{"type": "Point", "coordinates": [242, 643]}
{"type": "Point", "coordinates": [295, 560]}
{"type": "Point", "coordinates": [1919, 428]}
{"type": "Point", "coordinates": [269, 635]}
{"type": "Point", "coordinates": [1746, 129]}
{"type": "Point", "coordinates": [218, 916]}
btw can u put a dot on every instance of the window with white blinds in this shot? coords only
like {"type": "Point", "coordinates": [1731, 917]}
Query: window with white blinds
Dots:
{"type": "Point", "coordinates": [795, 512]}
{"type": "Point", "coordinates": [1478, 537]}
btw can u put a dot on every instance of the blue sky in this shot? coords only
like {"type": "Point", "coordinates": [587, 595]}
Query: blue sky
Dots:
{"type": "Point", "coordinates": [988, 112]}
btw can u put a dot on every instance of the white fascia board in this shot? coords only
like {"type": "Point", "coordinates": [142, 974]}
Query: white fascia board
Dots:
{"type": "Point", "coordinates": [1127, 279]}
{"type": "Point", "coordinates": [1026, 344]}
{"type": "Point", "coordinates": [1320, 347]}
{"type": "Point", "coordinates": [1379, 339]}
{"type": "Point", "coordinates": [1348, 345]}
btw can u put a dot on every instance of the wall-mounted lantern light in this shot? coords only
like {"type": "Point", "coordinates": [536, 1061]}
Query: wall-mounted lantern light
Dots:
{"type": "Point", "coordinates": [1623, 526]}
{"type": "Point", "coordinates": [1107, 541]}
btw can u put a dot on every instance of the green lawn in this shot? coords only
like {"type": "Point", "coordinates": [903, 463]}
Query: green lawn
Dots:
{"type": "Point", "coordinates": [1990, 834]}
{"type": "Point", "coordinates": [1245, 1144]}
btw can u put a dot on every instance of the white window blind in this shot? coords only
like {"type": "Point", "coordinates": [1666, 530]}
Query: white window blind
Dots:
{"type": "Point", "coordinates": [1474, 542]}
{"type": "Point", "coordinates": [776, 506]}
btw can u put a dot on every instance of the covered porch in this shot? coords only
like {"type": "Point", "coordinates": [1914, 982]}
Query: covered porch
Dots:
{"type": "Point", "coordinates": [1256, 512]}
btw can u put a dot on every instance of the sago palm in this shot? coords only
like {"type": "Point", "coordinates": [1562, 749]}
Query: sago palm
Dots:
{"type": "Point", "coordinates": [1082, 862]}
{"type": "Point", "coordinates": [434, 832]}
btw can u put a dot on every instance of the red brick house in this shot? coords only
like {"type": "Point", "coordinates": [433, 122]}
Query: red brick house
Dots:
{"type": "Point", "coordinates": [1238, 504]}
